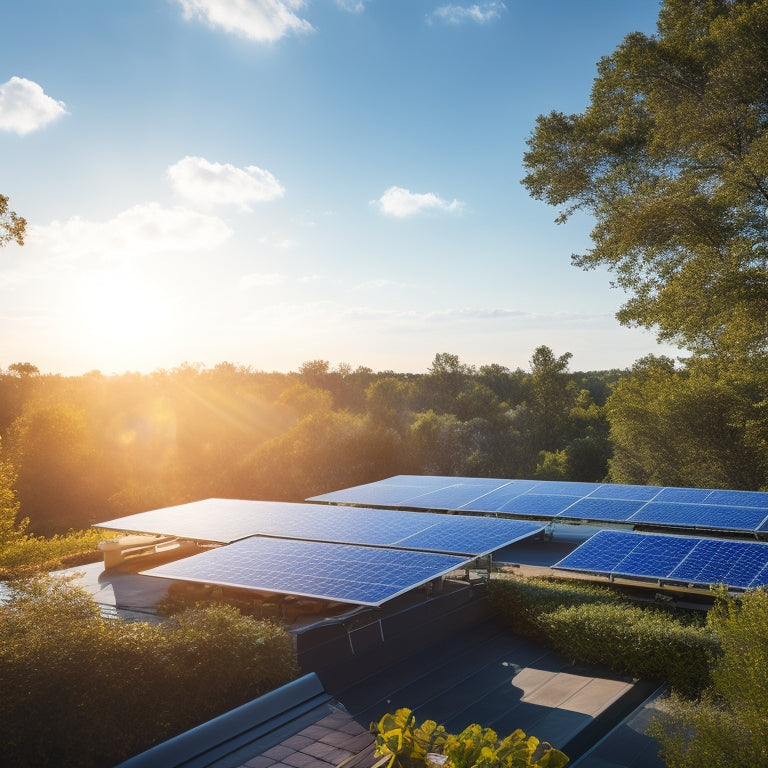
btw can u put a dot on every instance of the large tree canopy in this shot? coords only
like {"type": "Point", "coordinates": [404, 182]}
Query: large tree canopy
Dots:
{"type": "Point", "coordinates": [671, 158]}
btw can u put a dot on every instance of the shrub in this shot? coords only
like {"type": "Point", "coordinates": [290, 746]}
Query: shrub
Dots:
{"type": "Point", "coordinates": [644, 643]}
{"type": "Point", "coordinates": [81, 690]}
{"type": "Point", "coordinates": [592, 625]}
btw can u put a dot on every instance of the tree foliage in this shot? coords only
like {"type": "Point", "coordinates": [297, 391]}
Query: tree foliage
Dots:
{"type": "Point", "coordinates": [12, 226]}
{"type": "Point", "coordinates": [728, 726]}
{"type": "Point", "coordinates": [72, 681]}
{"type": "Point", "coordinates": [671, 158]}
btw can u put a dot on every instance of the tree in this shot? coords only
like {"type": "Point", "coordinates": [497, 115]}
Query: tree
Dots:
{"type": "Point", "coordinates": [671, 158]}
{"type": "Point", "coordinates": [12, 226]}
{"type": "Point", "coordinates": [694, 426]}
{"type": "Point", "coordinates": [728, 726]}
{"type": "Point", "coordinates": [552, 395]}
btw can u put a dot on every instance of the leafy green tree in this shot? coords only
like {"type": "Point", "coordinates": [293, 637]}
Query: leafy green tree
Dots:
{"type": "Point", "coordinates": [12, 226]}
{"type": "Point", "coordinates": [728, 726]}
{"type": "Point", "coordinates": [693, 426]}
{"type": "Point", "coordinates": [552, 394]}
{"type": "Point", "coordinates": [51, 448]}
{"type": "Point", "coordinates": [445, 379]}
{"type": "Point", "coordinates": [671, 158]}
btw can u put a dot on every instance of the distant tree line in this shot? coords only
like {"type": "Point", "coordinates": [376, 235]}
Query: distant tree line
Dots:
{"type": "Point", "coordinates": [78, 450]}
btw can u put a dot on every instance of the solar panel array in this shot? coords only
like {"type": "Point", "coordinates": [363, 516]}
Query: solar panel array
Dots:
{"type": "Point", "coordinates": [339, 572]}
{"type": "Point", "coordinates": [347, 554]}
{"type": "Point", "coordinates": [227, 520]}
{"type": "Point", "coordinates": [685, 560]}
{"type": "Point", "coordinates": [689, 508]}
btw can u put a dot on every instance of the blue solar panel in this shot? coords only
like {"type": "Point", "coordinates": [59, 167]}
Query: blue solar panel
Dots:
{"type": "Point", "coordinates": [717, 561]}
{"type": "Point", "coordinates": [664, 507]}
{"type": "Point", "coordinates": [339, 572]}
{"type": "Point", "coordinates": [600, 553]}
{"type": "Point", "coordinates": [226, 520]}
{"type": "Point", "coordinates": [473, 537]}
{"type": "Point", "coordinates": [453, 497]}
{"type": "Point", "coordinates": [555, 488]}
{"type": "Point", "coordinates": [493, 501]}
{"type": "Point", "coordinates": [700, 516]}
{"type": "Point", "coordinates": [606, 510]}
{"type": "Point", "coordinates": [682, 559]}
{"type": "Point", "coordinates": [630, 492]}
{"type": "Point", "coordinates": [537, 506]}
{"type": "Point", "coordinates": [683, 495]}
{"type": "Point", "coordinates": [739, 499]}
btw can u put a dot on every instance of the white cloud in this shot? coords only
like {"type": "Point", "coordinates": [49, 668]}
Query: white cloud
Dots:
{"type": "Point", "coordinates": [402, 203]}
{"type": "Point", "coordinates": [24, 106]}
{"type": "Point", "coordinates": [206, 183]}
{"type": "Point", "coordinates": [261, 280]}
{"type": "Point", "coordinates": [480, 13]}
{"type": "Point", "coordinates": [142, 230]}
{"type": "Point", "coordinates": [259, 20]}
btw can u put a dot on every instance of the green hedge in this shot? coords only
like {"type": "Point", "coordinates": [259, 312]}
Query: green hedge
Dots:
{"type": "Point", "coordinates": [80, 690]}
{"type": "Point", "coordinates": [593, 625]}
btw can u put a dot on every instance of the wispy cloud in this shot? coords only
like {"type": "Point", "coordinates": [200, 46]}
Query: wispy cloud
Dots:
{"type": "Point", "coordinates": [142, 230]}
{"type": "Point", "coordinates": [259, 20]}
{"type": "Point", "coordinates": [480, 13]}
{"type": "Point", "coordinates": [25, 107]}
{"type": "Point", "coordinates": [353, 6]}
{"type": "Point", "coordinates": [401, 203]}
{"type": "Point", "coordinates": [205, 183]}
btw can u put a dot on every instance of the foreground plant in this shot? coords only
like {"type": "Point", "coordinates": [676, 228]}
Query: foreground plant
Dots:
{"type": "Point", "coordinates": [410, 745]}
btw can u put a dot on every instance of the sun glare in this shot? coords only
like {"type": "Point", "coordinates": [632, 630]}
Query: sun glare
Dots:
{"type": "Point", "coordinates": [121, 311]}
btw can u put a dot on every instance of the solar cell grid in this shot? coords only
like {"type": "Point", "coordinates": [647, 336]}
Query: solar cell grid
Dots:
{"type": "Point", "coordinates": [700, 516]}
{"type": "Point", "coordinates": [537, 506]}
{"type": "Point", "coordinates": [340, 572]}
{"type": "Point", "coordinates": [676, 507]}
{"type": "Point", "coordinates": [682, 559]}
{"type": "Point", "coordinates": [609, 510]}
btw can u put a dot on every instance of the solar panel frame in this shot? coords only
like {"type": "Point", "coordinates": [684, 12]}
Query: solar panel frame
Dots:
{"type": "Point", "coordinates": [338, 572]}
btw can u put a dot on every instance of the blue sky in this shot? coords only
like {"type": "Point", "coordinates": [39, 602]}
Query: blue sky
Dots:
{"type": "Point", "coordinates": [272, 181]}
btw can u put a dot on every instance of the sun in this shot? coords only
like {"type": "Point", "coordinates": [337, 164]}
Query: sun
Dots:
{"type": "Point", "coordinates": [119, 312]}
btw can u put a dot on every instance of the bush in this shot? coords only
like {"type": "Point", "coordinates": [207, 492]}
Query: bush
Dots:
{"type": "Point", "coordinates": [80, 690]}
{"type": "Point", "coordinates": [522, 601]}
{"type": "Point", "coordinates": [592, 625]}
{"type": "Point", "coordinates": [641, 642]}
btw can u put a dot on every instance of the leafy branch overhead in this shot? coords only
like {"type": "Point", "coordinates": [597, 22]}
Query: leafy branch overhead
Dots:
{"type": "Point", "coordinates": [12, 226]}
{"type": "Point", "coordinates": [671, 158]}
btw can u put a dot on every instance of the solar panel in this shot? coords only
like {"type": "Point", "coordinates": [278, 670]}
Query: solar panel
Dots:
{"type": "Point", "coordinates": [588, 502]}
{"type": "Point", "coordinates": [339, 572]}
{"type": "Point", "coordinates": [682, 559]}
{"type": "Point", "coordinates": [608, 510]}
{"type": "Point", "coordinates": [226, 520]}
{"type": "Point", "coordinates": [700, 516]}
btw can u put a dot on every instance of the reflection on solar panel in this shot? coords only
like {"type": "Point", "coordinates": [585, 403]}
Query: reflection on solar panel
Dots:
{"type": "Point", "coordinates": [683, 559]}
{"type": "Point", "coordinates": [341, 572]}
{"type": "Point", "coordinates": [227, 520]}
{"type": "Point", "coordinates": [586, 502]}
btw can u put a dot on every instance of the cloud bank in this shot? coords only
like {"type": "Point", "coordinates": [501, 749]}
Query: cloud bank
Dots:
{"type": "Point", "coordinates": [402, 203]}
{"type": "Point", "coordinates": [25, 107]}
{"type": "Point", "coordinates": [262, 21]}
{"type": "Point", "coordinates": [204, 183]}
{"type": "Point", "coordinates": [142, 230]}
